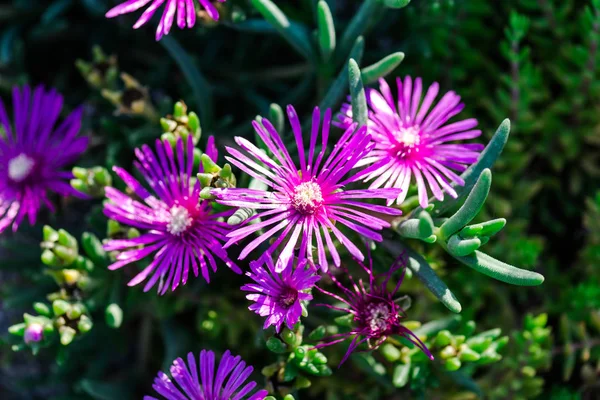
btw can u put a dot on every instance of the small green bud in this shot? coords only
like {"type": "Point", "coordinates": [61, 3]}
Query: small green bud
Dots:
{"type": "Point", "coordinates": [448, 352]}
{"type": "Point", "coordinates": [133, 233]}
{"type": "Point", "coordinates": [60, 307]}
{"type": "Point", "coordinates": [276, 346]}
{"type": "Point", "coordinates": [65, 239]}
{"type": "Point", "coordinates": [65, 254]}
{"type": "Point", "coordinates": [79, 185]}
{"type": "Point", "coordinates": [67, 334]}
{"type": "Point", "coordinates": [466, 354]}
{"type": "Point", "coordinates": [76, 311]}
{"type": "Point", "coordinates": [206, 194]}
{"type": "Point", "coordinates": [50, 235]}
{"type": "Point", "coordinates": [344, 320]}
{"type": "Point", "coordinates": [443, 338]}
{"type": "Point", "coordinates": [318, 333]}
{"type": "Point", "coordinates": [301, 382]}
{"type": "Point", "coordinates": [114, 316]}
{"type": "Point", "coordinates": [179, 109]}
{"type": "Point", "coordinates": [390, 352]}
{"type": "Point", "coordinates": [80, 173]}
{"type": "Point", "coordinates": [270, 370]}
{"type": "Point", "coordinates": [290, 337]}
{"type": "Point", "coordinates": [85, 324]}
{"type": "Point", "coordinates": [319, 359]}
{"type": "Point", "coordinates": [112, 228]}
{"type": "Point", "coordinates": [528, 371]}
{"type": "Point", "coordinates": [168, 125]}
{"type": "Point", "coordinates": [205, 179]}
{"type": "Point", "coordinates": [209, 165]}
{"type": "Point", "coordinates": [49, 259]}
{"type": "Point", "coordinates": [17, 329]}
{"type": "Point", "coordinates": [452, 364]}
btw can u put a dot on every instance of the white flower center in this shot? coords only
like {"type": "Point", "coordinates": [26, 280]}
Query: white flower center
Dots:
{"type": "Point", "coordinates": [378, 316]}
{"type": "Point", "coordinates": [409, 137]}
{"type": "Point", "coordinates": [307, 197]}
{"type": "Point", "coordinates": [20, 167]}
{"type": "Point", "coordinates": [180, 220]}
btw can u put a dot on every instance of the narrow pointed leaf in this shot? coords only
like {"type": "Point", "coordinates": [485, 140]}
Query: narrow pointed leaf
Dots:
{"type": "Point", "coordinates": [357, 93]}
{"type": "Point", "coordinates": [326, 30]}
{"type": "Point", "coordinates": [276, 117]}
{"type": "Point", "coordinates": [471, 208]}
{"type": "Point", "coordinates": [496, 269]}
{"type": "Point", "coordinates": [381, 68]}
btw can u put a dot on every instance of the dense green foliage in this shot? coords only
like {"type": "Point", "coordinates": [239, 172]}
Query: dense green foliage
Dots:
{"type": "Point", "coordinates": [535, 62]}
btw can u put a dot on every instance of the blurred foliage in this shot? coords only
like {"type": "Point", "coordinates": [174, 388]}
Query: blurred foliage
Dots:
{"type": "Point", "coordinates": [536, 62]}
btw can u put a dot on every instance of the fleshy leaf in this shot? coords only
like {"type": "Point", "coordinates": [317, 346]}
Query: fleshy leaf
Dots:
{"type": "Point", "coordinates": [357, 93]}
{"type": "Point", "coordinates": [381, 68]}
{"type": "Point", "coordinates": [501, 271]}
{"type": "Point", "coordinates": [326, 30]}
{"type": "Point", "coordinates": [470, 208]}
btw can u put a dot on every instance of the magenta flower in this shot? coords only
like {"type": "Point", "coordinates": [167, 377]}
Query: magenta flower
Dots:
{"type": "Point", "coordinates": [375, 313]}
{"type": "Point", "coordinates": [180, 228]}
{"type": "Point", "coordinates": [34, 154]}
{"type": "Point", "coordinates": [207, 385]}
{"type": "Point", "coordinates": [278, 296]}
{"type": "Point", "coordinates": [310, 201]}
{"type": "Point", "coordinates": [411, 141]}
{"type": "Point", "coordinates": [185, 9]}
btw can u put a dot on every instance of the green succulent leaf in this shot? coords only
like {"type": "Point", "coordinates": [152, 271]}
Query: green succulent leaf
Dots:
{"type": "Point", "coordinates": [357, 93]}
{"type": "Point", "coordinates": [326, 30]}
{"type": "Point", "coordinates": [381, 68]}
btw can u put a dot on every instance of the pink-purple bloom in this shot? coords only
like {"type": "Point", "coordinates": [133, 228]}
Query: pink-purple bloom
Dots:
{"type": "Point", "coordinates": [34, 333]}
{"type": "Point", "coordinates": [179, 227]}
{"type": "Point", "coordinates": [308, 204]}
{"type": "Point", "coordinates": [376, 314]}
{"type": "Point", "coordinates": [183, 10]}
{"type": "Point", "coordinates": [34, 153]}
{"type": "Point", "coordinates": [411, 140]}
{"type": "Point", "coordinates": [278, 296]}
{"type": "Point", "coordinates": [204, 383]}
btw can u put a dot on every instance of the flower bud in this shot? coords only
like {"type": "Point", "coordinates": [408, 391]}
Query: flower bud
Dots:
{"type": "Point", "coordinates": [34, 333]}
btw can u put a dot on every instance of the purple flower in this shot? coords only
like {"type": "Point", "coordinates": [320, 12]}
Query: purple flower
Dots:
{"type": "Point", "coordinates": [411, 141]}
{"type": "Point", "coordinates": [277, 296]}
{"type": "Point", "coordinates": [180, 228]}
{"type": "Point", "coordinates": [34, 154]}
{"type": "Point", "coordinates": [309, 203]}
{"type": "Point", "coordinates": [207, 385]}
{"type": "Point", "coordinates": [34, 333]}
{"type": "Point", "coordinates": [375, 313]}
{"type": "Point", "coordinates": [185, 9]}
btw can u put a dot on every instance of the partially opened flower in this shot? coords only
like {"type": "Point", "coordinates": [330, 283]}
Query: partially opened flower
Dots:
{"type": "Point", "coordinates": [200, 381]}
{"type": "Point", "coordinates": [411, 140]}
{"type": "Point", "coordinates": [34, 154]}
{"type": "Point", "coordinates": [179, 227]}
{"type": "Point", "coordinates": [278, 296]}
{"type": "Point", "coordinates": [375, 312]}
{"type": "Point", "coordinates": [183, 10]}
{"type": "Point", "coordinates": [309, 204]}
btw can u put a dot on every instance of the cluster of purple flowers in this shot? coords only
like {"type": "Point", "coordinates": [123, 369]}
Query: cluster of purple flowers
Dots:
{"type": "Point", "coordinates": [313, 209]}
